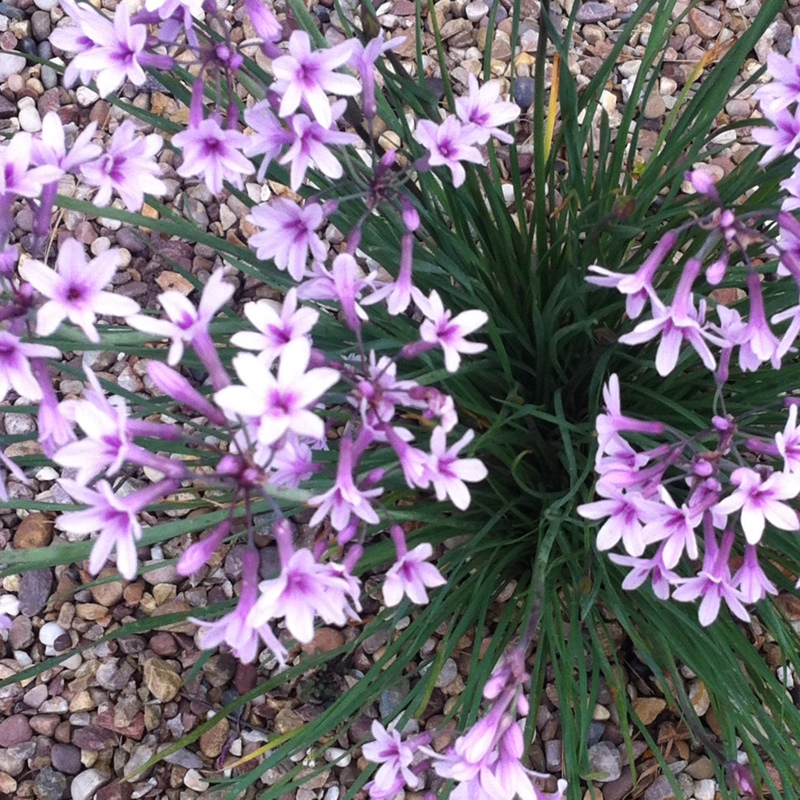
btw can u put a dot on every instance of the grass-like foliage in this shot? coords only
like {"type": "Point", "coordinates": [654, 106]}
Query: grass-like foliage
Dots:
{"type": "Point", "coordinates": [532, 399]}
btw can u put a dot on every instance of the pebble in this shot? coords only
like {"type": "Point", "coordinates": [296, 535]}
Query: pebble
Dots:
{"type": "Point", "coordinates": [212, 741]}
{"type": "Point", "coordinates": [49, 632]}
{"type": "Point", "coordinates": [14, 758]}
{"type": "Point", "coordinates": [523, 92]}
{"type": "Point", "coordinates": [15, 730]}
{"type": "Point", "coordinates": [595, 12]}
{"type": "Point", "coordinates": [447, 675]}
{"type": "Point", "coordinates": [11, 64]}
{"type": "Point", "coordinates": [193, 780]}
{"type": "Point", "coordinates": [476, 10]}
{"type": "Point", "coordinates": [35, 697]}
{"type": "Point", "coordinates": [335, 754]}
{"type": "Point", "coordinates": [660, 789]}
{"type": "Point", "coordinates": [66, 758]}
{"type": "Point", "coordinates": [701, 769]}
{"type": "Point", "coordinates": [50, 785]}
{"type": "Point", "coordinates": [140, 755]}
{"type": "Point", "coordinates": [29, 120]}
{"type": "Point", "coordinates": [162, 682]}
{"type": "Point", "coordinates": [34, 591]}
{"type": "Point", "coordinates": [36, 530]}
{"type": "Point", "coordinates": [703, 25]}
{"type": "Point", "coordinates": [40, 25]}
{"type": "Point", "coordinates": [85, 785]}
{"type": "Point", "coordinates": [392, 697]}
{"type": "Point", "coordinates": [705, 789]}
{"type": "Point", "coordinates": [605, 762]}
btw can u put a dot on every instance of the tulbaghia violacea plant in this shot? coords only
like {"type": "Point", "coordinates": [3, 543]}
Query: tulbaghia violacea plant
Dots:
{"type": "Point", "coordinates": [280, 399]}
{"type": "Point", "coordinates": [691, 512]}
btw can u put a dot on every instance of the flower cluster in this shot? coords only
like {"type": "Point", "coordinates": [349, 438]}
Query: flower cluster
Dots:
{"type": "Point", "coordinates": [712, 495]}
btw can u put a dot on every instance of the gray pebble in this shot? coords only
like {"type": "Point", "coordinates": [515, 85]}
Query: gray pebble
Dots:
{"type": "Point", "coordinates": [66, 758]}
{"type": "Point", "coordinates": [392, 698]}
{"type": "Point", "coordinates": [40, 25]}
{"type": "Point", "coordinates": [448, 674]}
{"type": "Point", "coordinates": [34, 591]}
{"type": "Point", "coordinates": [595, 733]}
{"type": "Point", "coordinates": [50, 785]}
{"type": "Point", "coordinates": [85, 785]}
{"type": "Point", "coordinates": [11, 12]}
{"type": "Point", "coordinates": [523, 92]}
{"type": "Point", "coordinates": [595, 12]}
{"type": "Point", "coordinates": [605, 762]}
{"type": "Point", "coordinates": [11, 64]}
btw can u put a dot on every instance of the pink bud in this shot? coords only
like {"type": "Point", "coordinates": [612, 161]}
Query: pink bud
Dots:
{"type": "Point", "coordinates": [198, 555]}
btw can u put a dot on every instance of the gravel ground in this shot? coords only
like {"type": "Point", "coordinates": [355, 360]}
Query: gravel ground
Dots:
{"type": "Point", "coordinates": [78, 728]}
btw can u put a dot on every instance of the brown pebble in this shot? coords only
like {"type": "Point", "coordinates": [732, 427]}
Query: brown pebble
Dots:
{"type": "Point", "coordinates": [164, 644]}
{"type": "Point", "coordinates": [212, 742]}
{"type": "Point", "coordinates": [704, 25]}
{"type": "Point", "coordinates": [36, 530]}
{"type": "Point", "coordinates": [325, 640]}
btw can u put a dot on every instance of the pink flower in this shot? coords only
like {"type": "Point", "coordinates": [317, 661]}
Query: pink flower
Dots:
{"type": "Point", "coordinates": [17, 177]}
{"type": "Point", "coordinates": [128, 167]}
{"type": "Point", "coordinates": [448, 145]}
{"type": "Point", "coordinates": [114, 517]}
{"type": "Point", "coordinates": [643, 568]}
{"type": "Point", "coordinates": [788, 443]}
{"type": "Point", "coordinates": [613, 422]}
{"type": "Point", "coordinates": [448, 473]}
{"type": "Point", "coordinates": [784, 88]}
{"type": "Point", "coordinates": [288, 235]}
{"type": "Point", "coordinates": [265, 23]}
{"type": "Point", "coordinates": [623, 521]}
{"type": "Point", "coordinates": [448, 332]}
{"type": "Point", "coordinates": [75, 289]}
{"type": "Point", "coordinates": [213, 153]}
{"type": "Point", "coordinates": [344, 499]}
{"type": "Point", "coordinates": [713, 583]}
{"type": "Point", "coordinates": [759, 498]}
{"type": "Point", "coordinates": [781, 140]}
{"type": "Point", "coordinates": [235, 629]}
{"type": "Point", "coordinates": [275, 330]}
{"type": "Point", "coordinates": [395, 757]}
{"type": "Point", "coordinates": [279, 403]}
{"type": "Point", "coordinates": [51, 148]}
{"type": "Point", "coordinates": [364, 59]}
{"type": "Point", "coordinates": [665, 522]}
{"type": "Point", "coordinates": [752, 582]}
{"type": "Point", "coordinates": [304, 76]}
{"type": "Point", "coordinates": [15, 367]}
{"type": "Point", "coordinates": [197, 555]}
{"type": "Point", "coordinates": [269, 137]}
{"type": "Point", "coordinates": [292, 464]}
{"type": "Point", "coordinates": [411, 574]}
{"type": "Point", "coordinates": [304, 589]}
{"type": "Point", "coordinates": [186, 322]}
{"type": "Point", "coordinates": [483, 109]}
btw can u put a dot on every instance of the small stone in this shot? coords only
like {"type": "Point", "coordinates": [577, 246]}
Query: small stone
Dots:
{"type": "Point", "coordinates": [21, 634]}
{"type": "Point", "coordinates": [29, 119]}
{"type": "Point", "coordinates": [93, 737]}
{"type": "Point", "coordinates": [447, 675]}
{"type": "Point", "coordinates": [594, 12]}
{"type": "Point", "coordinates": [11, 64]}
{"type": "Point", "coordinates": [108, 594]}
{"type": "Point", "coordinates": [605, 762]}
{"type": "Point", "coordinates": [698, 697]}
{"type": "Point", "coordinates": [8, 786]}
{"type": "Point", "coordinates": [91, 611]}
{"type": "Point", "coordinates": [660, 789]}
{"type": "Point", "coordinates": [552, 755]}
{"type": "Point", "coordinates": [34, 590]}
{"type": "Point", "coordinates": [13, 759]}
{"type": "Point", "coordinates": [220, 669]}
{"type": "Point", "coordinates": [595, 734]}
{"type": "Point", "coordinates": [523, 91]}
{"type": "Point", "coordinates": [85, 785]}
{"type": "Point", "coordinates": [648, 708]}
{"type": "Point", "coordinates": [335, 755]}
{"type": "Point", "coordinates": [325, 641]}
{"type": "Point", "coordinates": [164, 644]}
{"type": "Point", "coordinates": [40, 25]}
{"type": "Point", "coordinates": [36, 530]}
{"type": "Point", "coordinates": [621, 787]}
{"type": "Point", "coordinates": [113, 676]}
{"type": "Point", "coordinates": [50, 785]}
{"type": "Point", "coordinates": [476, 10]}
{"type": "Point", "coordinates": [15, 730]}
{"type": "Point", "coordinates": [704, 25]}
{"type": "Point", "coordinates": [600, 713]}
{"type": "Point", "coordinates": [392, 697]}
{"type": "Point", "coordinates": [66, 758]}
{"type": "Point", "coordinates": [35, 697]}
{"type": "Point", "coordinates": [212, 742]}
{"type": "Point", "coordinates": [121, 790]}
{"type": "Point", "coordinates": [45, 5]}
{"type": "Point", "coordinates": [162, 682]}
{"type": "Point", "coordinates": [701, 769]}
{"type": "Point", "coordinates": [286, 720]}
{"type": "Point", "coordinates": [655, 107]}
{"type": "Point", "coordinates": [140, 755]}
{"type": "Point", "coordinates": [194, 781]}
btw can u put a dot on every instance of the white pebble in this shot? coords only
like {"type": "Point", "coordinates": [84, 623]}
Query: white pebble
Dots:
{"type": "Point", "coordinates": [193, 780]}
{"type": "Point", "coordinates": [29, 120]}
{"type": "Point", "coordinates": [784, 675]}
{"type": "Point", "coordinates": [85, 96]}
{"type": "Point", "coordinates": [705, 789]}
{"type": "Point", "coordinates": [45, 5]}
{"type": "Point", "coordinates": [49, 632]}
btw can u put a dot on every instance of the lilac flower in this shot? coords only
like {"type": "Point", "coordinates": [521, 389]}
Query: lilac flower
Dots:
{"type": "Point", "coordinates": [9, 607]}
{"type": "Point", "coordinates": [213, 153]}
{"type": "Point", "coordinates": [415, 463]}
{"type": "Point", "coordinates": [781, 140]}
{"type": "Point", "coordinates": [623, 521]}
{"type": "Point", "coordinates": [114, 517]}
{"type": "Point", "coordinates": [309, 146]}
{"type": "Point", "coordinates": [675, 527]}
{"type": "Point", "coordinates": [264, 21]}
{"type": "Point", "coordinates": [363, 59]}
{"type": "Point", "coordinates": [288, 234]}
{"type": "Point", "coordinates": [483, 109]}
{"type": "Point", "coordinates": [395, 757]}
{"type": "Point", "coordinates": [75, 289]}
{"type": "Point", "coordinates": [752, 582]}
{"type": "Point", "coordinates": [269, 137]}
{"type": "Point", "coordinates": [784, 88]}
{"type": "Point", "coordinates": [342, 283]}
{"type": "Point", "coordinates": [448, 473]}
{"type": "Point", "coordinates": [304, 589]}
{"type": "Point", "coordinates": [303, 76]}
{"type": "Point", "coordinates": [279, 403]}
{"type": "Point", "coordinates": [197, 555]}
{"type": "Point", "coordinates": [639, 286]}
{"type": "Point", "coordinates": [411, 574]}
{"type": "Point", "coordinates": [177, 387]}
{"type": "Point", "coordinates": [788, 443]}
{"type": "Point", "coordinates": [51, 147]}
{"type": "Point", "coordinates": [127, 167]}
{"type": "Point", "coordinates": [275, 330]}
{"type": "Point", "coordinates": [17, 177]}
{"type": "Point", "coordinates": [11, 467]}
{"type": "Point", "coordinates": [235, 629]}
{"type": "Point", "coordinates": [344, 499]}
{"type": "Point", "coordinates": [292, 464]}
{"type": "Point", "coordinates": [448, 332]}
{"type": "Point", "coordinates": [713, 583]}
{"type": "Point", "coordinates": [89, 26]}
{"type": "Point", "coordinates": [613, 422]}
{"type": "Point", "coordinates": [448, 145]}
{"type": "Point", "coordinates": [643, 568]}
{"type": "Point", "coordinates": [15, 367]}
{"type": "Point", "coordinates": [760, 340]}
{"type": "Point", "coordinates": [759, 499]}
{"type": "Point", "coordinates": [379, 394]}
{"type": "Point", "coordinates": [55, 430]}
{"type": "Point", "coordinates": [186, 323]}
